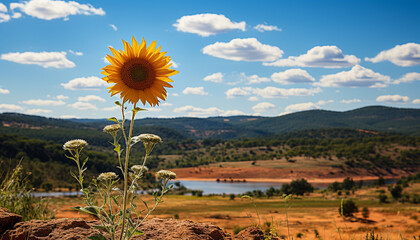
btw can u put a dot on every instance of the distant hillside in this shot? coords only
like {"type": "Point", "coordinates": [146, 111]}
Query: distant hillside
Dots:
{"type": "Point", "coordinates": [374, 118]}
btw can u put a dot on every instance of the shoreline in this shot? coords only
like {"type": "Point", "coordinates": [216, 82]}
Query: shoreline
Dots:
{"type": "Point", "coordinates": [284, 180]}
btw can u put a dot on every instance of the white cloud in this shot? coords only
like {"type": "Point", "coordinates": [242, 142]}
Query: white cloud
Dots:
{"type": "Point", "coordinates": [37, 111]}
{"type": "Point", "coordinates": [42, 102]}
{"type": "Point", "coordinates": [44, 59]}
{"type": "Point", "coordinates": [83, 106]}
{"type": "Point", "coordinates": [174, 64]}
{"type": "Point", "coordinates": [215, 77]}
{"type": "Point", "coordinates": [350, 101]}
{"type": "Point", "coordinates": [166, 104]}
{"type": "Point", "coordinates": [405, 55]}
{"type": "Point", "coordinates": [319, 56]}
{"type": "Point", "coordinates": [89, 98]}
{"type": "Point", "coordinates": [416, 101]}
{"type": "Point", "coordinates": [196, 111]}
{"type": "Point", "coordinates": [237, 92]}
{"type": "Point", "coordinates": [4, 17]}
{"type": "Point", "coordinates": [301, 107]}
{"type": "Point", "coordinates": [17, 15]}
{"type": "Point", "coordinates": [253, 99]}
{"type": "Point", "coordinates": [358, 76]}
{"type": "Point", "coordinates": [85, 83]}
{"type": "Point", "coordinates": [153, 109]}
{"type": "Point", "coordinates": [113, 27]}
{"type": "Point", "coordinates": [247, 49]}
{"type": "Point", "coordinates": [263, 27]}
{"type": "Point", "coordinates": [76, 53]}
{"type": "Point", "coordinates": [263, 107]}
{"type": "Point", "coordinates": [273, 92]}
{"type": "Point", "coordinates": [232, 113]}
{"type": "Point", "coordinates": [291, 76]}
{"type": "Point", "coordinates": [3, 8]}
{"type": "Point", "coordinates": [194, 90]}
{"type": "Point", "coordinates": [105, 60]}
{"type": "Point", "coordinates": [323, 102]}
{"type": "Point", "coordinates": [393, 98]}
{"type": "Point", "coordinates": [409, 77]}
{"type": "Point", "coordinates": [114, 108]}
{"type": "Point", "coordinates": [10, 107]}
{"type": "Point", "coordinates": [175, 94]}
{"type": "Point", "coordinates": [68, 116]}
{"type": "Point", "coordinates": [253, 79]}
{"type": "Point", "coordinates": [50, 9]}
{"type": "Point", "coordinates": [207, 24]}
{"type": "Point", "coordinates": [61, 97]}
{"type": "Point", "coordinates": [4, 91]}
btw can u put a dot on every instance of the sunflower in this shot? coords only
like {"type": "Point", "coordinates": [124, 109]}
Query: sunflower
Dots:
{"type": "Point", "coordinates": [139, 73]}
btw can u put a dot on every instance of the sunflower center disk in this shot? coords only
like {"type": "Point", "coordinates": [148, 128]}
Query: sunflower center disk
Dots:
{"type": "Point", "coordinates": [137, 74]}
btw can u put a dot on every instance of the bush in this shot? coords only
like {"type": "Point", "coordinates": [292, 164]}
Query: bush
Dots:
{"type": "Point", "coordinates": [365, 212]}
{"type": "Point", "coordinates": [382, 198]}
{"type": "Point", "coordinates": [348, 208]}
{"type": "Point", "coordinates": [297, 187]}
{"type": "Point", "coordinates": [396, 192]}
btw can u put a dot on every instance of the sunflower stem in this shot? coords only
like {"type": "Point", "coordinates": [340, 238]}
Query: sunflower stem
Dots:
{"type": "Point", "coordinates": [127, 155]}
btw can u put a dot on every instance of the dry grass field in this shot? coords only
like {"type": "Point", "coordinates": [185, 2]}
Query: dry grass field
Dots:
{"type": "Point", "coordinates": [308, 217]}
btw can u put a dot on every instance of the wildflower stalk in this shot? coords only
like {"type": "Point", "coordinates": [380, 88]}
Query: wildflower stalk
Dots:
{"type": "Point", "coordinates": [127, 156]}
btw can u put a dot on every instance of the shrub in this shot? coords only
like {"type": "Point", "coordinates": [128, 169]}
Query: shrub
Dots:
{"type": "Point", "coordinates": [348, 208]}
{"type": "Point", "coordinates": [382, 198]}
{"type": "Point", "coordinates": [396, 192]}
{"type": "Point", "coordinates": [365, 212]}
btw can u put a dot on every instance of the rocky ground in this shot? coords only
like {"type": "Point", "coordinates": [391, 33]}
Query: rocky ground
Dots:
{"type": "Point", "coordinates": [12, 228]}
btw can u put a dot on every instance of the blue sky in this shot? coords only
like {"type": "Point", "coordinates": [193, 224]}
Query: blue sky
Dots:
{"type": "Point", "coordinates": [262, 57]}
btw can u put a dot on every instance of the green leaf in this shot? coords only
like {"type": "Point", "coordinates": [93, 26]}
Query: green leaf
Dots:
{"type": "Point", "coordinates": [117, 103]}
{"type": "Point", "coordinates": [97, 237]}
{"type": "Point", "coordinates": [137, 232]}
{"type": "Point", "coordinates": [137, 109]}
{"type": "Point", "coordinates": [117, 148]}
{"type": "Point", "coordinates": [113, 119]}
{"type": "Point", "coordinates": [88, 210]}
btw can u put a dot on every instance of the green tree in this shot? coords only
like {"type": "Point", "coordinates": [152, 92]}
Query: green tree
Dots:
{"type": "Point", "coordinates": [348, 208]}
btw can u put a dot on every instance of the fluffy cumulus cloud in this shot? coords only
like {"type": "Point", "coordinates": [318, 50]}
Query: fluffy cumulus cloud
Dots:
{"type": "Point", "coordinates": [43, 102]}
{"type": "Point", "coordinates": [301, 107]}
{"type": "Point", "coordinates": [4, 91]}
{"type": "Point", "coordinates": [90, 98]}
{"type": "Point", "coordinates": [416, 101]}
{"type": "Point", "coordinates": [238, 92]}
{"type": "Point", "coordinates": [271, 92]}
{"type": "Point", "coordinates": [274, 92]}
{"type": "Point", "coordinates": [232, 113]}
{"type": "Point", "coordinates": [405, 55]}
{"type": "Point", "coordinates": [393, 99]}
{"type": "Point", "coordinates": [409, 77]}
{"type": "Point", "coordinates": [10, 107]}
{"type": "Point", "coordinates": [264, 27]}
{"type": "Point", "coordinates": [114, 108]}
{"type": "Point", "coordinates": [247, 49]}
{"type": "Point", "coordinates": [194, 91]}
{"type": "Point", "coordinates": [85, 83]}
{"type": "Point", "coordinates": [292, 76]}
{"type": "Point", "coordinates": [44, 59]}
{"type": "Point", "coordinates": [253, 99]}
{"type": "Point", "coordinates": [350, 101]}
{"type": "Point", "coordinates": [76, 53]}
{"type": "Point", "coordinates": [263, 107]}
{"type": "Point", "coordinates": [61, 97]}
{"type": "Point", "coordinates": [174, 64]}
{"type": "Point", "coordinates": [319, 56]}
{"type": "Point", "coordinates": [207, 24]}
{"type": "Point", "coordinates": [37, 111]}
{"type": "Point", "coordinates": [83, 106]}
{"type": "Point", "coordinates": [4, 17]}
{"type": "Point", "coordinates": [51, 9]}
{"type": "Point", "coordinates": [196, 111]}
{"type": "Point", "coordinates": [215, 77]}
{"type": "Point", "coordinates": [358, 76]}
{"type": "Point", "coordinates": [253, 79]}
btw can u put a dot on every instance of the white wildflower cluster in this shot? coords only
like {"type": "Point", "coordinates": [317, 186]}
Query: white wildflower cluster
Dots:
{"type": "Point", "coordinates": [112, 129]}
{"type": "Point", "coordinates": [107, 176]}
{"type": "Point", "coordinates": [147, 138]}
{"type": "Point", "coordinates": [166, 174]}
{"type": "Point", "coordinates": [75, 144]}
{"type": "Point", "coordinates": [139, 169]}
